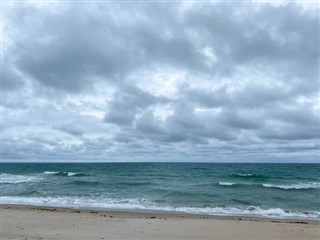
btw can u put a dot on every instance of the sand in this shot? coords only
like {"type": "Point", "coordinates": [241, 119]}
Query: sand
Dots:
{"type": "Point", "coordinates": [29, 222]}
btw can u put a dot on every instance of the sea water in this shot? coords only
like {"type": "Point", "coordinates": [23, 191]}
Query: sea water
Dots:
{"type": "Point", "coordinates": [261, 190]}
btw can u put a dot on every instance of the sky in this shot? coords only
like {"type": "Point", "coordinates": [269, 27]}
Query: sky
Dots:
{"type": "Point", "coordinates": [160, 81]}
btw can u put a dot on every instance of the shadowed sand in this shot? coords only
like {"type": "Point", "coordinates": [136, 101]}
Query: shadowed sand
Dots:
{"type": "Point", "coordinates": [29, 222]}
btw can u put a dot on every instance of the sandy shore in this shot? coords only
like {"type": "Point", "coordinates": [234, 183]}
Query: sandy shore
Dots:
{"type": "Point", "coordinates": [28, 222]}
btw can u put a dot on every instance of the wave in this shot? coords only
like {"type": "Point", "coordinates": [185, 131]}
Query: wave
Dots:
{"type": "Point", "coordinates": [84, 183]}
{"type": "Point", "coordinates": [249, 176]}
{"type": "Point", "coordinates": [6, 178]}
{"type": "Point", "coordinates": [238, 184]}
{"type": "Point", "coordinates": [242, 202]}
{"type": "Point", "coordinates": [68, 174]}
{"type": "Point", "coordinates": [245, 175]}
{"type": "Point", "coordinates": [253, 211]}
{"type": "Point", "coordinates": [226, 184]}
{"type": "Point", "coordinates": [80, 202]}
{"type": "Point", "coordinates": [50, 172]}
{"type": "Point", "coordinates": [147, 205]}
{"type": "Point", "coordinates": [297, 186]}
{"type": "Point", "coordinates": [71, 174]}
{"type": "Point", "coordinates": [16, 179]}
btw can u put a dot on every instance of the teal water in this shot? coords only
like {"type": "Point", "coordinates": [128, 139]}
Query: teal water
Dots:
{"type": "Point", "coordinates": [266, 190]}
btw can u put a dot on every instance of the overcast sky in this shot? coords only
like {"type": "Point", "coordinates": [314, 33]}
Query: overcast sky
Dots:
{"type": "Point", "coordinates": [139, 81]}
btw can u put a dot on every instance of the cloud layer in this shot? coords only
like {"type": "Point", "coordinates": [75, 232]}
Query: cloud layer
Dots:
{"type": "Point", "coordinates": [160, 82]}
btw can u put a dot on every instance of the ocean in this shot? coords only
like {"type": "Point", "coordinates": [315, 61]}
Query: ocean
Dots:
{"type": "Point", "coordinates": [261, 190]}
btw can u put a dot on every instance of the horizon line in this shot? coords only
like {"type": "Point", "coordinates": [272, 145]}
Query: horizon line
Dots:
{"type": "Point", "coordinates": [260, 162]}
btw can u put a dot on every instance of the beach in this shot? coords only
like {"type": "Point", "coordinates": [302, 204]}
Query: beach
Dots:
{"type": "Point", "coordinates": [36, 222]}
{"type": "Point", "coordinates": [159, 201]}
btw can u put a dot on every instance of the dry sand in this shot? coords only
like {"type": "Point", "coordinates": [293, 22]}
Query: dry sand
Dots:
{"type": "Point", "coordinates": [23, 222]}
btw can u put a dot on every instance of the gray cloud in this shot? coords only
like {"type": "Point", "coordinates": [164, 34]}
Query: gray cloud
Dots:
{"type": "Point", "coordinates": [152, 81]}
{"type": "Point", "coordinates": [10, 79]}
{"type": "Point", "coordinates": [127, 104]}
{"type": "Point", "coordinates": [70, 129]}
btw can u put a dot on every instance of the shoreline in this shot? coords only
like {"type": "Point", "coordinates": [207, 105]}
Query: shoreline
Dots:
{"type": "Point", "coordinates": [42, 222]}
{"type": "Point", "coordinates": [161, 212]}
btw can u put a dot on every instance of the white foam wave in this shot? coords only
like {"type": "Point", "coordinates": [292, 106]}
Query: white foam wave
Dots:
{"type": "Point", "coordinates": [244, 174]}
{"type": "Point", "coordinates": [253, 211]}
{"type": "Point", "coordinates": [80, 202]}
{"type": "Point", "coordinates": [145, 205]}
{"type": "Point", "coordinates": [294, 186]}
{"type": "Point", "coordinates": [14, 179]}
{"type": "Point", "coordinates": [50, 172]}
{"type": "Point", "coordinates": [226, 183]}
{"type": "Point", "coordinates": [70, 174]}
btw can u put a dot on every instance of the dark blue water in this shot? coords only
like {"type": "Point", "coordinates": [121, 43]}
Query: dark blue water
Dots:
{"type": "Point", "coordinates": [268, 190]}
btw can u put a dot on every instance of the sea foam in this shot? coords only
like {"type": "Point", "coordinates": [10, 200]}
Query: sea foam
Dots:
{"type": "Point", "coordinates": [68, 174]}
{"type": "Point", "coordinates": [15, 179]}
{"type": "Point", "coordinates": [311, 185]}
{"type": "Point", "coordinates": [147, 205]}
{"type": "Point", "coordinates": [252, 211]}
{"type": "Point", "coordinates": [50, 172]}
{"type": "Point", "coordinates": [226, 183]}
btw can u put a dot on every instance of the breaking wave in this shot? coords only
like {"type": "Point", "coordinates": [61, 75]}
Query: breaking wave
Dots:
{"type": "Point", "coordinates": [145, 205]}
{"type": "Point", "coordinates": [297, 186]}
{"type": "Point", "coordinates": [249, 176]}
{"type": "Point", "coordinates": [16, 179]}
{"type": "Point", "coordinates": [226, 183]}
{"type": "Point", "coordinates": [68, 174]}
